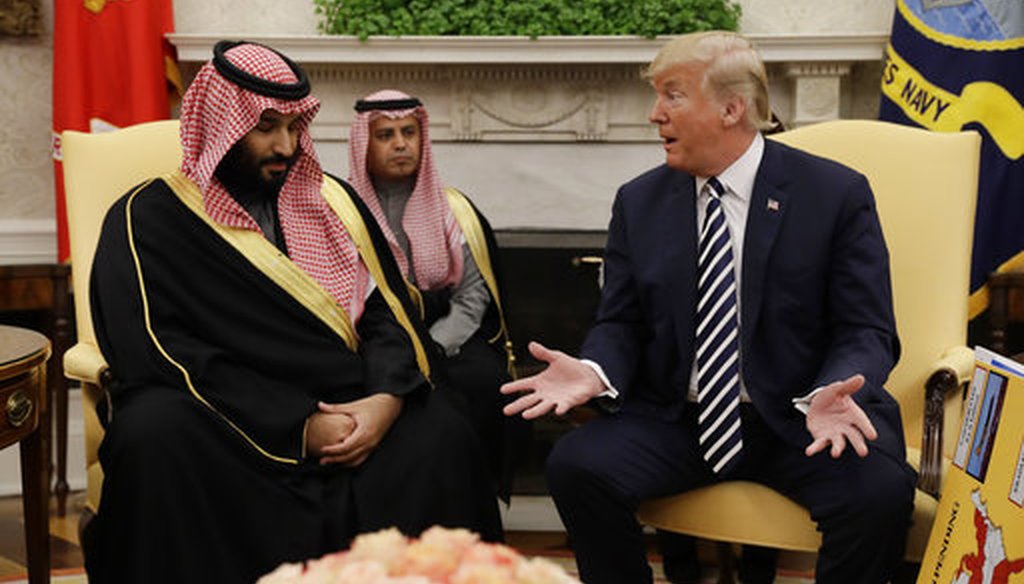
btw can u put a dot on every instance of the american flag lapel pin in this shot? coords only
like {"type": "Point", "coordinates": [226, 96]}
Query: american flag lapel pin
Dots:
{"type": "Point", "coordinates": [773, 205]}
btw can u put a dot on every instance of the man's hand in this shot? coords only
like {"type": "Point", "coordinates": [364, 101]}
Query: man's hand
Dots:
{"type": "Point", "coordinates": [563, 385]}
{"type": "Point", "coordinates": [373, 417]}
{"type": "Point", "coordinates": [834, 418]}
{"type": "Point", "coordinates": [324, 429]}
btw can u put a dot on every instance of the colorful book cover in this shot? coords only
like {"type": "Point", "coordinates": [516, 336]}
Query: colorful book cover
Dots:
{"type": "Point", "coordinates": [978, 534]}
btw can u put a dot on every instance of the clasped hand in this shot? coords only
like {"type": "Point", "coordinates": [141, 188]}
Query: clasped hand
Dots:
{"type": "Point", "coordinates": [835, 418]}
{"type": "Point", "coordinates": [563, 385]}
{"type": "Point", "coordinates": [347, 433]}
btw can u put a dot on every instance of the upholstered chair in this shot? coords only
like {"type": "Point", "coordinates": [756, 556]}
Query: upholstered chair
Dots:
{"type": "Point", "coordinates": [98, 169]}
{"type": "Point", "coordinates": [925, 184]}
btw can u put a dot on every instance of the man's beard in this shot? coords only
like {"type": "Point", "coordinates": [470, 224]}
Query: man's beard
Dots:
{"type": "Point", "coordinates": [242, 174]}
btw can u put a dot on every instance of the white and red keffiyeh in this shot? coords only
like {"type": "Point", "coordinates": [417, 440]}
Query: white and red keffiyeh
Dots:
{"type": "Point", "coordinates": [215, 114]}
{"type": "Point", "coordinates": [435, 240]}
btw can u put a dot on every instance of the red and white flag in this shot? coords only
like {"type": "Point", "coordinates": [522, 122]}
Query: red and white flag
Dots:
{"type": "Point", "coordinates": [112, 67]}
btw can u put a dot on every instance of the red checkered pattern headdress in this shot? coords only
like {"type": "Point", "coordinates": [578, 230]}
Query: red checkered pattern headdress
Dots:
{"type": "Point", "coordinates": [435, 240]}
{"type": "Point", "coordinates": [221, 106]}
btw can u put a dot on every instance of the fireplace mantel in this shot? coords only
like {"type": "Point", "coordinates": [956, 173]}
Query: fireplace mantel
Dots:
{"type": "Point", "coordinates": [541, 132]}
{"type": "Point", "coordinates": [437, 50]}
{"type": "Point", "coordinates": [596, 73]}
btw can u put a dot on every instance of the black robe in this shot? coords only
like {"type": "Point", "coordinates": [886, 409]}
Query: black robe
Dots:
{"type": "Point", "coordinates": [485, 361]}
{"type": "Point", "coordinates": [217, 367]}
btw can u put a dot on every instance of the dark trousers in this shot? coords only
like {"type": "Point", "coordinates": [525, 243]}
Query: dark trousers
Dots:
{"type": "Point", "coordinates": [757, 565]}
{"type": "Point", "coordinates": [474, 376]}
{"type": "Point", "coordinates": [186, 499]}
{"type": "Point", "coordinates": [599, 473]}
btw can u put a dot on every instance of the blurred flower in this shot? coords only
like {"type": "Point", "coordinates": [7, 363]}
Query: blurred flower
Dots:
{"type": "Point", "coordinates": [541, 571]}
{"type": "Point", "coordinates": [284, 574]}
{"type": "Point", "coordinates": [438, 556]}
{"type": "Point", "coordinates": [385, 547]}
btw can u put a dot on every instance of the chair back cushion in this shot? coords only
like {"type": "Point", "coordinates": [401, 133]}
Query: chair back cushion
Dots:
{"type": "Point", "coordinates": [98, 169]}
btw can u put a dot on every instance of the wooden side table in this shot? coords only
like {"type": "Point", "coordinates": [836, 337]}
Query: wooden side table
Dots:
{"type": "Point", "coordinates": [44, 288]}
{"type": "Point", "coordinates": [25, 419]}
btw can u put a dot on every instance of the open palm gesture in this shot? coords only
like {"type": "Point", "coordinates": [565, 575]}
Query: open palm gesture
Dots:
{"type": "Point", "coordinates": [563, 385]}
{"type": "Point", "coordinates": [834, 418]}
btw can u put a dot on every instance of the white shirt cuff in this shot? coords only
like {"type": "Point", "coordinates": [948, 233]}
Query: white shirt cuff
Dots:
{"type": "Point", "coordinates": [804, 403]}
{"type": "Point", "coordinates": [610, 390]}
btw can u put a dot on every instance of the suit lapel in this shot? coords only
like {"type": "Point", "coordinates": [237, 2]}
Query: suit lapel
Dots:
{"type": "Point", "coordinates": [682, 259]}
{"type": "Point", "coordinates": [768, 205]}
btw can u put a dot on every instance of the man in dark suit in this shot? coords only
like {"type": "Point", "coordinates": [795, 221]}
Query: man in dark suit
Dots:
{"type": "Point", "coordinates": [745, 332]}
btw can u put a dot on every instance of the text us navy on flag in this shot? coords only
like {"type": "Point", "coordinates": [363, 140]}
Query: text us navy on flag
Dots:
{"type": "Point", "coordinates": [956, 65]}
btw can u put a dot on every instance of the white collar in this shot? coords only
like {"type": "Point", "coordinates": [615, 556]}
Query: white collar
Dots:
{"type": "Point", "coordinates": [738, 177]}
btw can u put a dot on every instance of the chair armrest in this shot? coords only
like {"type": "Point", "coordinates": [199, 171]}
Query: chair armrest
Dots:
{"type": "Point", "coordinates": [948, 374]}
{"type": "Point", "coordinates": [85, 363]}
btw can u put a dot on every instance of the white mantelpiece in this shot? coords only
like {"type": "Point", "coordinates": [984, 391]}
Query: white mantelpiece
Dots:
{"type": "Point", "coordinates": [814, 63]}
{"type": "Point", "coordinates": [822, 59]}
{"type": "Point", "coordinates": [517, 50]}
{"type": "Point", "coordinates": [541, 131]}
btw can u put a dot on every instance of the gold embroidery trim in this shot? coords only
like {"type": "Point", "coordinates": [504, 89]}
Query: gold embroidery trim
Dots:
{"type": "Point", "coordinates": [159, 346]}
{"type": "Point", "coordinates": [473, 231]}
{"type": "Point", "coordinates": [272, 262]}
{"type": "Point", "coordinates": [338, 199]}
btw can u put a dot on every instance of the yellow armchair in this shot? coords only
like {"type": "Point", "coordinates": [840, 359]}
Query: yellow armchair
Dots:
{"type": "Point", "coordinates": [925, 184]}
{"type": "Point", "coordinates": [98, 169]}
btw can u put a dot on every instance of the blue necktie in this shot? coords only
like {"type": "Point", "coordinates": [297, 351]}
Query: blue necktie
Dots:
{"type": "Point", "coordinates": [718, 379]}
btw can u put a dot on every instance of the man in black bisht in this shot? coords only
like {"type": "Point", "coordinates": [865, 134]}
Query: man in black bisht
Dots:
{"type": "Point", "coordinates": [272, 396]}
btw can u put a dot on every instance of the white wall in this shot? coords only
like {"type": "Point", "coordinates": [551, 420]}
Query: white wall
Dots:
{"type": "Point", "coordinates": [516, 187]}
{"type": "Point", "coordinates": [26, 191]}
{"type": "Point", "coordinates": [816, 16]}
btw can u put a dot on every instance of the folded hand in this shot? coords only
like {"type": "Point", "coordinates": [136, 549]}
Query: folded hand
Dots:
{"type": "Point", "coordinates": [373, 417]}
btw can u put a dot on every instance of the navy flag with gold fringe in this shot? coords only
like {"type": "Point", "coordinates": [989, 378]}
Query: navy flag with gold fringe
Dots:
{"type": "Point", "coordinates": [959, 64]}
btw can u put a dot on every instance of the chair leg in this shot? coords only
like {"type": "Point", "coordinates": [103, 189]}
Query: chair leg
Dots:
{"type": "Point", "coordinates": [726, 563]}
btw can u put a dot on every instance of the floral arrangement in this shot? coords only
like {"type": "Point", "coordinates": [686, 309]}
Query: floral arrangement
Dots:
{"type": "Point", "coordinates": [438, 556]}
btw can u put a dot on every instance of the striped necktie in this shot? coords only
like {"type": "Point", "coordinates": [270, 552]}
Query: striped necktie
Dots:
{"type": "Point", "coordinates": [718, 379]}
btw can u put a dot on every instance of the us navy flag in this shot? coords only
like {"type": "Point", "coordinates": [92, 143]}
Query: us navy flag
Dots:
{"type": "Point", "coordinates": [959, 64]}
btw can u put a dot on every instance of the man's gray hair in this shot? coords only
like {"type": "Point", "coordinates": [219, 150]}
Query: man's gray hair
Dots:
{"type": "Point", "coordinates": [732, 67]}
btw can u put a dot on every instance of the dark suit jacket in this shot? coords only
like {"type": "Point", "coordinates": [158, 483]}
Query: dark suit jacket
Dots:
{"type": "Point", "coordinates": [816, 300]}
